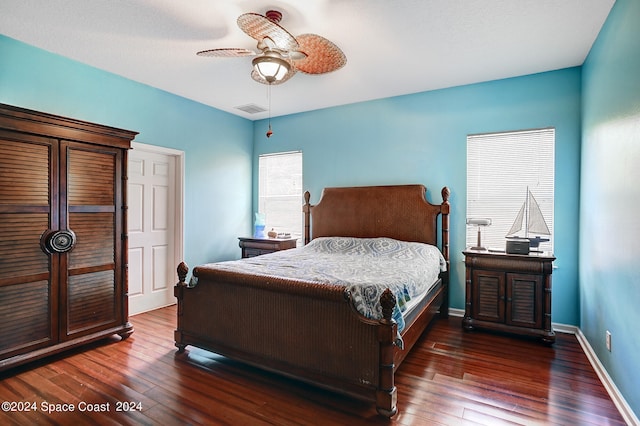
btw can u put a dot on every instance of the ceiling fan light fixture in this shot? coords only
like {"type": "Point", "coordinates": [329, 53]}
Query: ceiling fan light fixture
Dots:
{"type": "Point", "coordinates": [271, 66]}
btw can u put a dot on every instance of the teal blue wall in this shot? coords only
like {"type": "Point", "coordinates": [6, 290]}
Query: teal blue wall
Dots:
{"type": "Point", "coordinates": [610, 202]}
{"type": "Point", "coordinates": [218, 146]}
{"type": "Point", "coordinates": [421, 138]}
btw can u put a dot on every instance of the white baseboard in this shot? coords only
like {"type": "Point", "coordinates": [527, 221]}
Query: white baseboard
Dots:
{"type": "Point", "coordinates": [621, 404]}
{"type": "Point", "coordinates": [627, 413]}
{"type": "Point", "coordinates": [456, 312]}
{"type": "Point", "coordinates": [565, 328]}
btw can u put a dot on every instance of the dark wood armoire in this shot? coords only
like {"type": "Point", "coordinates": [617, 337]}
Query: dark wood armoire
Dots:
{"type": "Point", "coordinates": [63, 234]}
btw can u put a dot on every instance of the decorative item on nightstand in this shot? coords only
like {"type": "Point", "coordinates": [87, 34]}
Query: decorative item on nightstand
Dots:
{"type": "Point", "coordinates": [530, 221]}
{"type": "Point", "coordinates": [518, 245]}
{"type": "Point", "coordinates": [479, 222]}
{"type": "Point", "coordinates": [258, 226]}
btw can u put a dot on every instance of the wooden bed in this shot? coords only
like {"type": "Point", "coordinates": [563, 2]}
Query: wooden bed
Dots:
{"type": "Point", "coordinates": [311, 331]}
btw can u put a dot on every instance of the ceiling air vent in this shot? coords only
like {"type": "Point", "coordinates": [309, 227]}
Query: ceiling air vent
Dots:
{"type": "Point", "coordinates": [251, 108]}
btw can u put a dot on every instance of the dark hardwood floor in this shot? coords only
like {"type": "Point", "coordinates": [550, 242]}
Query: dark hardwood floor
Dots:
{"type": "Point", "coordinates": [451, 377]}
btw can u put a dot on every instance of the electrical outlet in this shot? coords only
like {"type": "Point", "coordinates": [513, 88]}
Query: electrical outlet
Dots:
{"type": "Point", "coordinates": [608, 339]}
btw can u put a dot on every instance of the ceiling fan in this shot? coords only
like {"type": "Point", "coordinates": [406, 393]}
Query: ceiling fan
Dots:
{"type": "Point", "coordinates": [279, 54]}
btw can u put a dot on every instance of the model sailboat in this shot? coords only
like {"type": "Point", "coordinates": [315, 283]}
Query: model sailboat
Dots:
{"type": "Point", "coordinates": [530, 221]}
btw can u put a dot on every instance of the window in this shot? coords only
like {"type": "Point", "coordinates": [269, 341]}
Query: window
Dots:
{"type": "Point", "coordinates": [280, 192]}
{"type": "Point", "coordinates": [501, 168]}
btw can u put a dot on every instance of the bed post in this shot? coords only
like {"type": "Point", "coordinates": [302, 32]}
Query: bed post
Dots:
{"type": "Point", "coordinates": [307, 212]}
{"type": "Point", "coordinates": [387, 394]}
{"type": "Point", "coordinates": [444, 209]}
{"type": "Point", "coordinates": [178, 292]}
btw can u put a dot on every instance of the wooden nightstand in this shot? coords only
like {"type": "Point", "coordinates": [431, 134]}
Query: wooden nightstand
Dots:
{"type": "Point", "coordinates": [256, 246]}
{"type": "Point", "coordinates": [509, 292]}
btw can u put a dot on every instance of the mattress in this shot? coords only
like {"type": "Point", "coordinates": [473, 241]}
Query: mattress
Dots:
{"type": "Point", "coordinates": [364, 266]}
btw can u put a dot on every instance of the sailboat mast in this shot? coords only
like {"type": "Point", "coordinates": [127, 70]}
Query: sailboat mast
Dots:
{"type": "Point", "coordinates": [526, 214]}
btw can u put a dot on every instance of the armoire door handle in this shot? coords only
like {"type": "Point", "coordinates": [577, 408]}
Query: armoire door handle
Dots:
{"type": "Point", "coordinates": [60, 241]}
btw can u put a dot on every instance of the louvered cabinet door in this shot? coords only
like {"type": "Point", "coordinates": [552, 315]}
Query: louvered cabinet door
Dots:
{"type": "Point", "coordinates": [488, 293]}
{"type": "Point", "coordinates": [28, 208]}
{"type": "Point", "coordinates": [524, 300]}
{"type": "Point", "coordinates": [93, 290]}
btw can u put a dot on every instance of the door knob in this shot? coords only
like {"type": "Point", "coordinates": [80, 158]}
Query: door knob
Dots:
{"type": "Point", "coordinates": [60, 241]}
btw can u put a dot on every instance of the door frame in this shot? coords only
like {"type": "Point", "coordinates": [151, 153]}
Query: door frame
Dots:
{"type": "Point", "coordinates": [178, 237]}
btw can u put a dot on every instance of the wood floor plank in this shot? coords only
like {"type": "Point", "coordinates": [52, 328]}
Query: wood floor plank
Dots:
{"type": "Point", "coordinates": [450, 378]}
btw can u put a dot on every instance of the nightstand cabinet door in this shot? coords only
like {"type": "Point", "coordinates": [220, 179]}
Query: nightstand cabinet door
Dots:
{"type": "Point", "coordinates": [488, 295]}
{"type": "Point", "coordinates": [524, 297]}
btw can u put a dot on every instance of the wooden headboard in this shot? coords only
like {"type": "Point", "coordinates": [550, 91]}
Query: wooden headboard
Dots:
{"type": "Point", "coordinates": [401, 212]}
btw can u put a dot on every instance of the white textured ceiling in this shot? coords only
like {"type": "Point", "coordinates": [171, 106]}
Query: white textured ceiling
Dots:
{"type": "Point", "coordinates": [392, 47]}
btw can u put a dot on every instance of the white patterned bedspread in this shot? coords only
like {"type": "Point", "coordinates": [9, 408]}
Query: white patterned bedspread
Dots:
{"type": "Point", "coordinates": [365, 266]}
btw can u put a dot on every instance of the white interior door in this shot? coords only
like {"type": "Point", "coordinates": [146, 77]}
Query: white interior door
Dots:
{"type": "Point", "coordinates": [154, 222]}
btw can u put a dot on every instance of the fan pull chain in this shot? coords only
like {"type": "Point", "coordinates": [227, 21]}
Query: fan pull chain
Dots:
{"type": "Point", "coordinates": [269, 132]}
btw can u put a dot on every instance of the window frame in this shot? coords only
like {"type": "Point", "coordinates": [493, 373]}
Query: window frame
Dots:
{"type": "Point", "coordinates": [293, 225]}
{"type": "Point", "coordinates": [496, 186]}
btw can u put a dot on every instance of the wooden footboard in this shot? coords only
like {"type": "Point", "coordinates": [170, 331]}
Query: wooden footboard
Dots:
{"type": "Point", "coordinates": [299, 329]}
{"type": "Point", "coordinates": [306, 331]}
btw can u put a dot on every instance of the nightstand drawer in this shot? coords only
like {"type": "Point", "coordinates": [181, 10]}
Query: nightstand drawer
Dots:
{"type": "Point", "coordinates": [252, 247]}
{"type": "Point", "coordinates": [252, 252]}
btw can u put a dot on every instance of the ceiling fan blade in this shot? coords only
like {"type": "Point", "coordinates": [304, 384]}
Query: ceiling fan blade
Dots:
{"type": "Point", "coordinates": [322, 55]}
{"type": "Point", "coordinates": [257, 77]}
{"type": "Point", "coordinates": [231, 52]}
{"type": "Point", "coordinates": [260, 27]}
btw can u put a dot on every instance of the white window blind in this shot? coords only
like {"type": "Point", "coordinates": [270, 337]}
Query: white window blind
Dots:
{"type": "Point", "coordinates": [500, 169]}
{"type": "Point", "coordinates": [280, 192]}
